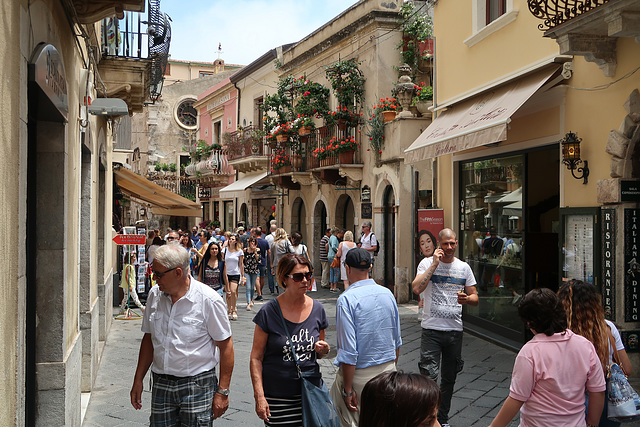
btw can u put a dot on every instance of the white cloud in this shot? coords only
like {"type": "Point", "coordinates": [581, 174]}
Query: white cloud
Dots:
{"type": "Point", "coordinates": [247, 28]}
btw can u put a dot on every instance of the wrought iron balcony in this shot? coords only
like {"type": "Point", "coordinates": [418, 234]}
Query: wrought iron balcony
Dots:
{"type": "Point", "coordinates": [556, 12]}
{"type": "Point", "coordinates": [247, 150]}
{"type": "Point", "coordinates": [307, 158]}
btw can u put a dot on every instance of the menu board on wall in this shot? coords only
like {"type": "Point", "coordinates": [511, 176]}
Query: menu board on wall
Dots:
{"type": "Point", "coordinates": [578, 247]}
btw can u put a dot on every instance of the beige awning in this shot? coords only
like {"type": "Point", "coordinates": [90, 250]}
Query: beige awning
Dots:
{"type": "Point", "coordinates": [161, 200]}
{"type": "Point", "coordinates": [236, 188]}
{"type": "Point", "coordinates": [477, 121]}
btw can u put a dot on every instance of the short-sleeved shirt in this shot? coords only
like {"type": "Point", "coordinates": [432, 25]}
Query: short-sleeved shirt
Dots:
{"type": "Point", "coordinates": [550, 375]}
{"type": "Point", "coordinates": [369, 241]}
{"type": "Point", "coordinates": [279, 373]}
{"type": "Point", "coordinates": [441, 309]}
{"type": "Point", "coordinates": [323, 248]}
{"type": "Point", "coordinates": [333, 246]}
{"type": "Point", "coordinates": [263, 245]}
{"type": "Point", "coordinates": [616, 338]}
{"type": "Point", "coordinates": [367, 325]}
{"type": "Point", "coordinates": [244, 239]}
{"type": "Point", "coordinates": [232, 260]}
{"type": "Point", "coordinates": [251, 263]}
{"type": "Point", "coordinates": [184, 333]}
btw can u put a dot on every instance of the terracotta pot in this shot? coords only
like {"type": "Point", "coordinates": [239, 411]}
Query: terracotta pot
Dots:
{"type": "Point", "coordinates": [346, 157]}
{"type": "Point", "coordinates": [296, 161]}
{"type": "Point", "coordinates": [342, 124]}
{"type": "Point", "coordinates": [282, 138]}
{"type": "Point", "coordinates": [304, 131]}
{"type": "Point", "coordinates": [387, 116]}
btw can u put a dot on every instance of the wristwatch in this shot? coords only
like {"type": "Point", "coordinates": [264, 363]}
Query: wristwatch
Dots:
{"type": "Point", "coordinates": [345, 394]}
{"type": "Point", "coordinates": [223, 391]}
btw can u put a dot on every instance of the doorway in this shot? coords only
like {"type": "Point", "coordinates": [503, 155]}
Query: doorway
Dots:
{"type": "Point", "coordinates": [389, 237]}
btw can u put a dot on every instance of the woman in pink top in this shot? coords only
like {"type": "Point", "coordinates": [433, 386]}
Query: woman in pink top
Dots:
{"type": "Point", "coordinates": [552, 370]}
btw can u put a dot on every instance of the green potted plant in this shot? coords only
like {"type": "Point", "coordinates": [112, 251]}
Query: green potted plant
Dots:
{"type": "Point", "coordinates": [344, 147]}
{"type": "Point", "coordinates": [347, 82]}
{"type": "Point", "coordinates": [417, 27]}
{"type": "Point", "coordinates": [303, 125]}
{"type": "Point", "coordinates": [388, 108]}
{"type": "Point", "coordinates": [423, 98]}
{"type": "Point", "coordinates": [280, 162]}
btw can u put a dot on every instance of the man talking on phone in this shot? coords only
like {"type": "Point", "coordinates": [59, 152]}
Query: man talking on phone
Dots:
{"type": "Point", "coordinates": [445, 283]}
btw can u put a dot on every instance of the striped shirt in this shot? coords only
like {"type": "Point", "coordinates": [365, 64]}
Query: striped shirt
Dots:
{"type": "Point", "coordinates": [323, 248]}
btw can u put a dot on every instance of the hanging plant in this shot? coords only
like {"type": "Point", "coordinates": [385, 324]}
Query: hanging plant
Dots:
{"type": "Point", "coordinates": [417, 27]}
{"type": "Point", "coordinates": [347, 83]}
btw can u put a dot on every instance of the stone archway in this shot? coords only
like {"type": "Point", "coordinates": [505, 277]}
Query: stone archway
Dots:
{"type": "Point", "coordinates": [319, 226]}
{"type": "Point", "coordinates": [299, 219]}
{"type": "Point", "coordinates": [345, 214]}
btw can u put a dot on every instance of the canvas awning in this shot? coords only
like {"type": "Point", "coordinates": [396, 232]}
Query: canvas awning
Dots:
{"type": "Point", "coordinates": [478, 121]}
{"type": "Point", "coordinates": [236, 189]}
{"type": "Point", "coordinates": [161, 200]}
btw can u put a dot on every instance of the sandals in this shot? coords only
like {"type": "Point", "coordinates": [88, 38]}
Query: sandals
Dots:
{"type": "Point", "coordinates": [234, 316]}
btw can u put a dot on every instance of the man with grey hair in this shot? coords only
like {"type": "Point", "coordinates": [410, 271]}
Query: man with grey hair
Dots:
{"type": "Point", "coordinates": [173, 238]}
{"type": "Point", "coordinates": [445, 283]}
{"type": "Point", "coordinates": [186, 334]}
{"type": "Point", "coordinates": [369, 241]}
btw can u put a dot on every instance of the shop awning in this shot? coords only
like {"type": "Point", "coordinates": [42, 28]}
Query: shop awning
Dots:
{"type": "Point", "coordinates": [478, 121]}
{"type": "Point", "coordinates": [236, 188]}
{"type": "Point", "coordinates": [161, 200]}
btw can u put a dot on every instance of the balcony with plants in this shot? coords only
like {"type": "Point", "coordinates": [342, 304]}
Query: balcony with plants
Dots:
{"type": "Point", "coordinates": [246, 149]}
{"type": "Point", "coordinates": [209, 165]}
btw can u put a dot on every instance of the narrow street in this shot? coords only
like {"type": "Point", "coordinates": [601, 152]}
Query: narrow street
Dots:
{"type": "Point", "coordinates": [480, 388]}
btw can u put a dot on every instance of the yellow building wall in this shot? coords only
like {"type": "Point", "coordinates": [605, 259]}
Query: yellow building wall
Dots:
{"type": "Point", "coordinates": [460, 68]}
{"type": "Point", "coordinates": [593, 114]}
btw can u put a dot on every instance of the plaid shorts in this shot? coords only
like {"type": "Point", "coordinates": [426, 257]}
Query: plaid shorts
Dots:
{"type": "Point", "coordinates": [183, 401]}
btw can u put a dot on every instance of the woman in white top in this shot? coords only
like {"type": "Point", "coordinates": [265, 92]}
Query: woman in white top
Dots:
{"type": "Point", "coordinates": [585, 316]}
{"type": "Point", "coordinates": [234, 264]}
{"type": "Point", "coordinates": [297, 247]}
{"type": "Point", "coordinates": [345, 246]}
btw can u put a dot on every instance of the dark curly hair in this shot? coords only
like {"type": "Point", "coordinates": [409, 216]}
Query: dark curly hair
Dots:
{"type": "Point", "coordinates": [585, 316]}
{"type": "Point", "coordinates": [542, 311]}
{"type": "Point", "coordinates": [398, 399]}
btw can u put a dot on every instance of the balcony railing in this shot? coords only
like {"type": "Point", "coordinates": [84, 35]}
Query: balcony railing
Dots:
{"type": "Point", "coordinates": [245, 143]}
{"type": "Point", "coordinates": [305, 146]}
{"type": "Point", "coordinates": [216, 164]}
{"type": "Point", "coordinates": [556, 12]}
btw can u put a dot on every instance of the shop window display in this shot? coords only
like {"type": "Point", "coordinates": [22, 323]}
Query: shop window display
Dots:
{"type": "Point", "coordinates": [492, 236]}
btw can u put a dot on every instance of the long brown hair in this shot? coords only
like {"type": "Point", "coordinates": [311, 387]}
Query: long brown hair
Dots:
{"type": "Point", "coordinates": [585, 315]}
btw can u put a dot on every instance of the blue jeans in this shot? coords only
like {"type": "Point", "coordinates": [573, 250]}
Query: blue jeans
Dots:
{"type": "Point", "coordinates": [447, 344]}
{"type": "Point", "coordinates": [334, 273]}
{"type": "Point", "coordinates": [250, 285]}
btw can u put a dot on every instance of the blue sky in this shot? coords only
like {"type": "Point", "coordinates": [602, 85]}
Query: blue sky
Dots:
{"type": "Point", "coordinates": [245, 28]}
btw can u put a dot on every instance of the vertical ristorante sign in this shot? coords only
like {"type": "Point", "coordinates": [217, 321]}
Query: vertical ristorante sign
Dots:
{"type": "Point", "coordinates": [609, 262]}
{"type": "Point", "coordinates": [631, 265]}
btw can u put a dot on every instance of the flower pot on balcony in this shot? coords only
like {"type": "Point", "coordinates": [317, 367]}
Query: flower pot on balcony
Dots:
{"type": "Point", "coordinates": [312, 163]}
{"type": "Point", "coordinates": [285, 169]}
{"type": "Point", "coordinates": [346, 157]}
{"type": "Point", "coordinates": [387, 116]}
{"type": "Point", "coordinates": [282, 138]}
{"type": "Point", "coordinates": [296, 161]}
{"type": "Point", "coordinates": [342, 124]}
{"type": "Point", "coordinates": [304, 131]}
{"type": "Point", "coordinates": [423, 108]}
{"type": "Point", "coordinates": [273, 145]}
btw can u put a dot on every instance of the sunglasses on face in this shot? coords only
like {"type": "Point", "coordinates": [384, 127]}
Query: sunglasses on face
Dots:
{"type": "Point", "coordinates": [297, 277]}
{"type": "Point", "coordinates": [159, 274]}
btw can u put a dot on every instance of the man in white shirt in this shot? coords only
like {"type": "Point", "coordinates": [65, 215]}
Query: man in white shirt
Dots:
{"type": "Point", "coordinates": [446, 284]}
{"type": "Point", "coordinates": [186, 334]}
{"type": "Point", "coordinates": [369, 241]}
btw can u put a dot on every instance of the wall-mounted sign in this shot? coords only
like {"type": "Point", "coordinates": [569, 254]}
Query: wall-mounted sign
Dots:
{"type": "Point", "coordinates": [204, 193]}
{"type": "Point", "coordinates": [365, 194]}
{"type": "Point", "coordinates": [631, 265]}
{"type": "Point", "coordinates": [366, 211]}
{"type": "Point", "coordinates": [631, 340]}
{"type": "Point", "coordinates": [629, 191]}
{"type": "Point", "coordinates": [608, 240]}
{"type": "Point", "coordinates": [48, 73]}
{"type": "Point", "coordinates": [431, 220]}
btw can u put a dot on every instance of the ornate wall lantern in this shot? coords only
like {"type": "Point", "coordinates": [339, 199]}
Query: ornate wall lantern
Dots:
{"type": "Point", "coordinates": [571, 156]}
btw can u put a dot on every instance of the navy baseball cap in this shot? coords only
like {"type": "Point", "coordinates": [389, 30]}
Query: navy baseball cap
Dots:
{"type": "Point", "coordinates": [358, 258]}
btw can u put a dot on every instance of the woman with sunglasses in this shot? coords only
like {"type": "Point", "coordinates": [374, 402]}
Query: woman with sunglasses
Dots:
{"type": "Point", "coordinates": [276, 386]}
{"type": "Point", "coordinates": [234, 263]}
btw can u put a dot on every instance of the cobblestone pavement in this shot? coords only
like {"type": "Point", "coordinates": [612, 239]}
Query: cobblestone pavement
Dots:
{"type": "Point", "coordinates": [480, 388]}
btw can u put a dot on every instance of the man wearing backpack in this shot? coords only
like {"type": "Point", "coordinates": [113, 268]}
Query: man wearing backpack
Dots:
{"type": "Point", "coordinates": [369, 242]}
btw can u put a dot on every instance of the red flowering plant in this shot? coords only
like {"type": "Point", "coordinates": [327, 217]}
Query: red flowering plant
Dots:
{"type": "Point", "coordinates": [347, 143]}
{"type": "Point", "coordinates": [423, 93]}
{"type": "Point", "coordinates": [303, 121]}
{"type": "Point", "coordinates": [285, 129]}
{"type": "Point", "coordinates": [387, 104]}
{"type": "Point", "coordinates": [321, 153]}
{"type": "Point", "coordinates": [279, 159]}
{"type": "Point", "coordinates": [352, 118]}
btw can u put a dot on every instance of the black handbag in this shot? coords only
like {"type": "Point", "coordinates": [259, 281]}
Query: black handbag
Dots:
{"type": "Point", "coordinates": [318, 409]}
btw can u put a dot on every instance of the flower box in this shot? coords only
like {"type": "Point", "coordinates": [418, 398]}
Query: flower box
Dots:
{"type": "Point", "coordinates": [282, 138]}
{"type": "Point", "coordinates": [346, 157]}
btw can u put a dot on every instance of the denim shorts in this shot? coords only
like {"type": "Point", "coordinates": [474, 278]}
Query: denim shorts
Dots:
{"type": "Point", "coordinates": [262, 269]}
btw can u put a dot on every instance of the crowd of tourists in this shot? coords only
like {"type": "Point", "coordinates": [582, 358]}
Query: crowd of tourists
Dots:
{"type": "Point", "coordinates": [558, 377]}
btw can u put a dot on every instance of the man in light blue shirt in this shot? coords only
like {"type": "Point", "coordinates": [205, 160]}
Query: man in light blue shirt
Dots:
{"type": "Point", "coordinates": [368, 329]}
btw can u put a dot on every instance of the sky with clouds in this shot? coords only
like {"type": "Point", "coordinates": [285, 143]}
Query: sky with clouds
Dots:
{"type": "Point", "coordinates": [246, 28]}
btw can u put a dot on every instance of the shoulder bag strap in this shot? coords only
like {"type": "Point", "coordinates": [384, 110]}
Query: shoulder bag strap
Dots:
{"type": "Point", "coordinates": [616, 355]}
{"type": "Point", "coordinates": [284, 325]}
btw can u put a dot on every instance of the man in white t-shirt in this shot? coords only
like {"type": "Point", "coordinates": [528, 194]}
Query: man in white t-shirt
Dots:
{"type": "Point", "coordinates": [446, 284]}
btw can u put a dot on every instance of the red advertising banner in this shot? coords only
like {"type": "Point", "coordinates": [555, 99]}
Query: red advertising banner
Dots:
{"type": "Point", "coordinates": [431, 220]}
{"type": "Point", "coordinates": [130, 239]}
